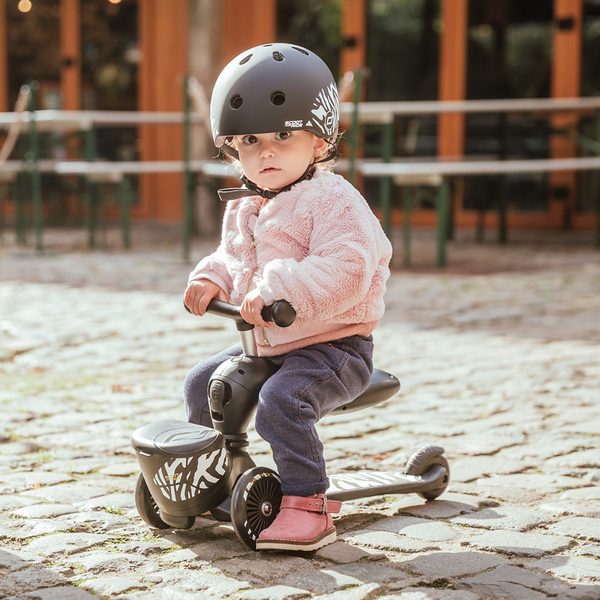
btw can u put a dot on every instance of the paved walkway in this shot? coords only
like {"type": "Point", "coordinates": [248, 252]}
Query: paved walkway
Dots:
{"type": "Point", "coordinates": [499, 360]}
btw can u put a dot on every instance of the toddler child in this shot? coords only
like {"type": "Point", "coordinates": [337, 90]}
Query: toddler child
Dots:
{"type": "Point", "coordinates": [300, 233]}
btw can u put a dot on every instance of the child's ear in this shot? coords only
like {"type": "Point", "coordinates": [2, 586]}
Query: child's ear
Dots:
{"type": "Point", "coordinates": [319, 147]}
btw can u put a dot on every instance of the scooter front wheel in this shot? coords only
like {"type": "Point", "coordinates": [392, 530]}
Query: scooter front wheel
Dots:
{"type": "Point", "coordinates": [255, 502]}
{"type": "Point", "coordinates": [146, 506]}
{"type": "Point", "coordinates": [422, 461]}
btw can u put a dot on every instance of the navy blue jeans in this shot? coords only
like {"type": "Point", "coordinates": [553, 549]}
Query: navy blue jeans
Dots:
{"type": "Point", "coordinates": [310, 383]}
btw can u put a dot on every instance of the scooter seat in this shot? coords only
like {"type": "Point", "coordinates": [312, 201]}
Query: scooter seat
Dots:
{"type": "Point", "coordinates": [382, 386]}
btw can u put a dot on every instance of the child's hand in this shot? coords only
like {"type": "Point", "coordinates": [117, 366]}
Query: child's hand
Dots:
{"type": "Point", "coordinates": [200, 293]}
{"type": "Point", "coordinates": [251, 308]}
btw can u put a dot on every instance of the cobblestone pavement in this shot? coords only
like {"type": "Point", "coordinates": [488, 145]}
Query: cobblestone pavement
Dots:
{"type": "Point", "coordinates": [499, 359]}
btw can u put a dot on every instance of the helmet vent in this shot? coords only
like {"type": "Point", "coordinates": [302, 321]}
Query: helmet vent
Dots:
{"type": "Point", "coordinates": [300, 50]}
{"type": "Point", "coordinates": [278, 56]}
{"type": "Point", "coordinates": [277, 98]}
{"type": "Point", "coordinates": [246, 59]}
{"type": "Point", "coordinates": [236, 101]}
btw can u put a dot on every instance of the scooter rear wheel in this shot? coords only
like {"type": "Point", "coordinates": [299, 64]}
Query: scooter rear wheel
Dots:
{"type": "Point", "coordinates": [255, 502]}
{"type": "Point", "coordinates": [146, 507]}
{"type": "Point", "coordinates": [423, 460]}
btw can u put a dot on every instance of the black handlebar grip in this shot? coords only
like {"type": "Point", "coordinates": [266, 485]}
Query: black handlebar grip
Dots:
{"type": "Point", "coordinates": [281, 312]}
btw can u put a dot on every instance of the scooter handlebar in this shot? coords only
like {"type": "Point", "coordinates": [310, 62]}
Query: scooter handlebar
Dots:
{"type": "Point", "coordinates": [281, 312]}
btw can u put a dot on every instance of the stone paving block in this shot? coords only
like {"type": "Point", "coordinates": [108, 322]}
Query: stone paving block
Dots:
{"type": "Point", "coordinates": [588, 549]}
{"type": "Point", "coordinates": [276, 592]}
{"type": "Point", "coordinates": [547, 447]}
{"type": "Point", "coordinates": [579, 527]}
{"type": "Point", "coordinates": [8, 503]}
{"type": "Point", "coordinates": [186, 556]}
{"type": "Point", "coordinates": [8, 462]}
{"type": "Point", "coordinates": [110, 501]}
{"type": "Point", "coordinates": [584, 493]}
{"type": "Point", "coordinates": [449, 505]}
{"type": "Point", "coordinates": [572, 508]}
{"type": "Point", "coordinates": [519, 544]}
{"type": "Point", "coordinates": [420, 529]}
{"type": "Point", "coordinates": [343, 553]}
{"type": "Point", "coordinates": [164, 593]}
{"type": "Point", "coordinates": [23, 529]}
{"type": "Point", "coordinates": [122, 470]}
{"type": "Point", "coordinates": [199, 581]}
{"type": "Point", "coordinates": [265, 566]}
{"type": "Point", "coordinates": [484, 444]}
{"type": "Point", "coordinates": [585, 427]}
{"type": "Point", "coordinates": [29, 579]}
{"type": "Point", "coordinates": [451, 564]}
{"type": "Point", "coordinates": [508, 581]}
{"type": "Point", "coordinates": [327, 581]}
{"type": "Point", "coordinates": [386, 540]}
{"type": "Point", "coordinates": [142, 547]}
{"type": "Point", "coordinates": [432, 594]}
{"type": "Point", "coordinates": [504, 517]}
{"type": "Point", "coordinates": [43, 511]}
{"type": "Point", "coordinates": [79, 466]}
{"type": "Point", "coordinates": [109, 586]}
{"type": "Point", "coordinates": [502, 494]}
{"type": "Point", "coordinates": [14, 560]}
{"type": "Point", "coordinates": [582, 459]}
{"type": "Point", "coordinates": [67, 493]}
{"type": "Point", "coordinates": [65, 543]}
{"type": "Point", "coordinates": [475, 467]}
{"type": "Point", "coordinates": [362, 592]}
{"type": "Point", "coordinates": [36, 479]}
{"type": "Point", "coordinates": [100, 561]}
{"type": "Point", "coordinates": [219, 549]}
{"type": "Point", "coordinates": [17, 448]}
{"type": "Point", "coordinates": [542, 484]}
{"type": "Point", "coordinates": [82, 521]}
{"type": "Point", "coordinates": [57, 593]}
{"type": "Point", "coordinates": [581, 569]}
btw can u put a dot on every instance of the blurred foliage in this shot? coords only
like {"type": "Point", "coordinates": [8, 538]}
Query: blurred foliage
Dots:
{"type": "Point", "coordinates": [509, 49]}
{"type": "Point", "coordinates": [590, 49]}
{"type": "Point", "coordinates": [313, 24]}
{"type": "Point", "coordinates": [33, 46]}
{"type": "Point", "coordinates": [403, 49]}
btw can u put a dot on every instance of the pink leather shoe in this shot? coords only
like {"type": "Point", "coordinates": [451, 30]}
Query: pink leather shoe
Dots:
{"type": "Point", "coordinates": [302, 524]}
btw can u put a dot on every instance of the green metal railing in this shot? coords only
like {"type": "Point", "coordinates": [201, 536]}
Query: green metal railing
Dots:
{"type": "Point", "coordinates": [26, 174]}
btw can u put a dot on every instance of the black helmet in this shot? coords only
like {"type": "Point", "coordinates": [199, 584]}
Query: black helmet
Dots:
{"type": "Point", "coordinates": [272, 88]}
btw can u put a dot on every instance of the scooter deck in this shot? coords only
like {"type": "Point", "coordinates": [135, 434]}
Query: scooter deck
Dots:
{"type": "Point", "coordinates": [363, 484]}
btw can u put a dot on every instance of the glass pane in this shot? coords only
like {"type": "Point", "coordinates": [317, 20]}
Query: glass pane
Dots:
{"type": "Point", "coordinates": [313, 24]}
{"type": "Point", "coordinates": [403, 49]}
{"type": "Point", "coordinates": [109, 70]}
{"type": "Point", "coordinates": [403, 60]}
{"type": "Point", "coordinates": [588, 182]}
{"type": "Point", "coordinates": [590, 49]}
{"type": "Point", "coordinates": [33, 39]}
{"type": "Point", "coordinates": [109, 55]}
{"type": "Point", "coordinates": [509, 56]}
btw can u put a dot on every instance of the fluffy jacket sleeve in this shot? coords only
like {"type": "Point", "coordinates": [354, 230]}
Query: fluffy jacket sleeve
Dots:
{"type": "Point", "coordinates": [214, 266]}
{"type": "Point", "coordinates": [347, 259]}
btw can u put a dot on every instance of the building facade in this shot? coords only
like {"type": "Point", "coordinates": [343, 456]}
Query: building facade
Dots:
{"type": "Point", "coordinates": [134, 55]}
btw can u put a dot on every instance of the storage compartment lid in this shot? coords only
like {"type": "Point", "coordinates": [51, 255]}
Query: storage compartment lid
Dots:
{"type": "Point", "coordinates": [176, 438]}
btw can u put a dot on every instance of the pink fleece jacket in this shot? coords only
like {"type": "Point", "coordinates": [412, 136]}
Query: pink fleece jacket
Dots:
{"type": "Point", "coordinates": [319, 247]}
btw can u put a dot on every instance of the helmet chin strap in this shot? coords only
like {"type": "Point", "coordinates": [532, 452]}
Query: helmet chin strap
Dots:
{"type": "Point", "coordinates": [252, 189]}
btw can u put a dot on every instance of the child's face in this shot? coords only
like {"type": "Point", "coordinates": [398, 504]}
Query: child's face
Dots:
{"type": "Point", "coordinates": [274, 160]}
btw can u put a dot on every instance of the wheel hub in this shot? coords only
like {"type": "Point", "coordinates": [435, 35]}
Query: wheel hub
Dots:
{"type": "Point", "coordinates": [266, 508]}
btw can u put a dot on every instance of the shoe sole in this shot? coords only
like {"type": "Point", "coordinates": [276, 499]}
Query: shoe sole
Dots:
{"type": "Point", "coordinates": [328, 537]}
